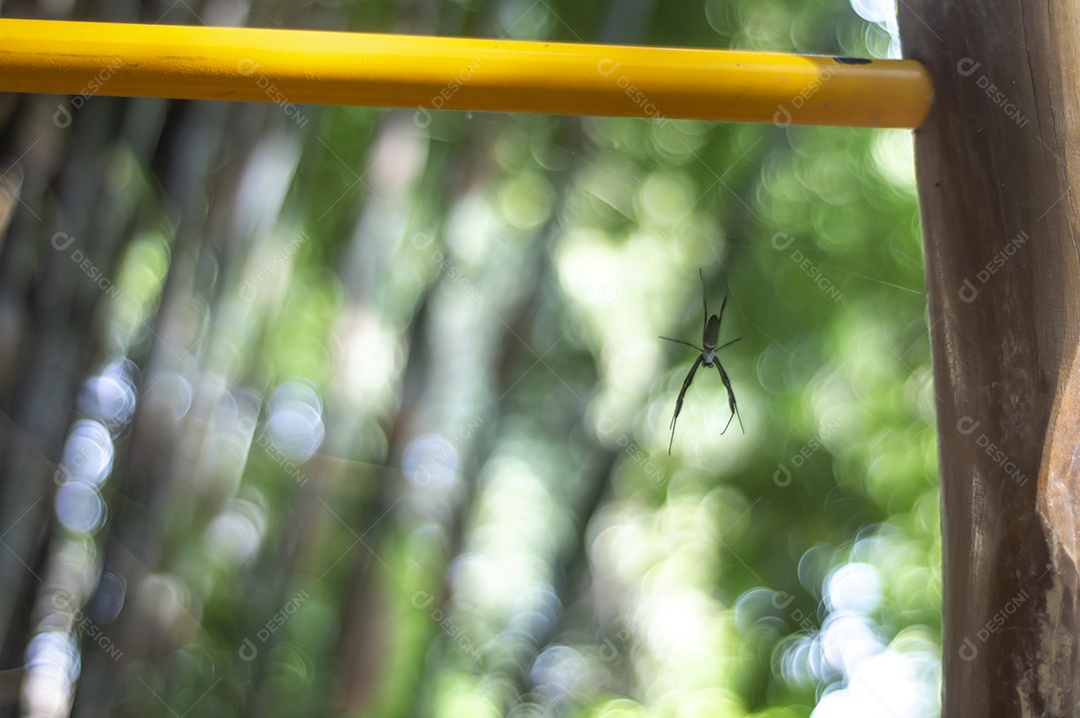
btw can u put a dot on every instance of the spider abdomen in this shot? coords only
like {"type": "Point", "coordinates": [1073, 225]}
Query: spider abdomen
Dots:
{"type": "Point", "coordinates": [712, 333]}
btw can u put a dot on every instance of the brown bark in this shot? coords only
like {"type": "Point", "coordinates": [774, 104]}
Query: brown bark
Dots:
{"type": "Point", "coordinates": [995, 160]}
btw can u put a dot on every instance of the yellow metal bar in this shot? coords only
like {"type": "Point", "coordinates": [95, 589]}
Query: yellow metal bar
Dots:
{"type": "Point", "coordinates": [427, 73]}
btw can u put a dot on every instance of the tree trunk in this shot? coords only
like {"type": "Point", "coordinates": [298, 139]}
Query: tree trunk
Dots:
{"type": "Point", "coordinates": [1000, 226]}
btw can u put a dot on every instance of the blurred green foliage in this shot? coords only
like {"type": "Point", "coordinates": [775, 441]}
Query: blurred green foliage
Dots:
{"type": "Point", "coordinates": [492, 524]}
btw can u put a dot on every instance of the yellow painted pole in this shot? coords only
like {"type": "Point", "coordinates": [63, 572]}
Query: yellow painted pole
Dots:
{"type": "Point", "coordinates": [428, 73]}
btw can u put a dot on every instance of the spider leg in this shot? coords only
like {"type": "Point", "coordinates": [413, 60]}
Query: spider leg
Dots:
{"type": "Point", "coordinates": [731, 399]}
{"type": "Point", "coordinates": [723, 305]}
{"type": "Point", "coordinates": [704, 304]}
{"type": "Point", "coordinates": [679, 401]}
{"type": "Point", "coordinates": [725, 344]}
{"type": "Point", "coordinates": [680, 341]}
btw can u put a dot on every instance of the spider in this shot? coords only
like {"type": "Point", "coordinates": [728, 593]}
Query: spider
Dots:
{"type": "Point", "coordinates": [709, 335]}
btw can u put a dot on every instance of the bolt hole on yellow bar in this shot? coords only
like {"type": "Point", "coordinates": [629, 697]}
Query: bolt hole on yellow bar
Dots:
{"type": "Point", "coordinates": [337, 68]}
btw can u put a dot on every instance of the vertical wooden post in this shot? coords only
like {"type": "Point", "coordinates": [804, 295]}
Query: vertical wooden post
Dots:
{"type": "Point", "coordinates": [997, 170]}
